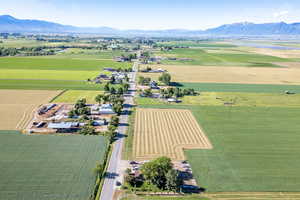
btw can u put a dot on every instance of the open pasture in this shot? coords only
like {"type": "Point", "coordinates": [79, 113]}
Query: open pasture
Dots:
{"type": "Point", "coordinates": [47, 74]}
{"type": "Point", "coordinates": [166, 133]}
{"type": "Point", "coordinates": [48, 63]}
{"type": "Point", "coordinates": [71, 96]}
{"type": "Point", "coordinates": [255, 149]}
{"type": "Point", "coordinates": [42, 167]}
{"type": "Point", "coordinates": [17, 106]}
{"type": "Point", "coordinates": [206, 58]}
{"type": "Point", "coordinates": [187, 43]}
{"type": "Point", "coordinates": [48, 85]}
{"type": "Point", "coordinates": [217, 74]}
{"type": "Point", "coordinates": [233, 98]}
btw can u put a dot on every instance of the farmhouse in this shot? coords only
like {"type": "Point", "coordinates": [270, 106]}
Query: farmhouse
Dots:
{"type": "Point", "coordinates": [109, 69]}
{"type": "Point", "coordinates": [106, 109]}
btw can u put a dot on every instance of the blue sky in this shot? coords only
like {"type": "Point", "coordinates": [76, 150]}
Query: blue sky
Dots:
{"type": "Point", "coordinates": [154, 14]}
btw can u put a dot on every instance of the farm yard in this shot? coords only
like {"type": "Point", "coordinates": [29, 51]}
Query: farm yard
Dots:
{"type": "Point", "coordinates": [152, 139]}
{"type": "Point", "coordinates": [44, 167]}
{"type": "Point", "coordinates": [238, 75]}
{"type": "Point", "coordinates": [17, 106]}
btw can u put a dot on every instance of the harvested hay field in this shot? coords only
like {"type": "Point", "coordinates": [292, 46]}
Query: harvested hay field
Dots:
{"type": "Point", "coordinates": [166, 132]}
{"type": "Point", "coordinates": [217, 74]}
{"type": "Point", "coordinates": [276, 52]}
{"type": "Point", "coordinates": [17, 106]}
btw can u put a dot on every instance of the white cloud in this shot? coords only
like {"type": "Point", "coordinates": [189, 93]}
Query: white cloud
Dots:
{"type": "Point", "coordinates": [281, 14]}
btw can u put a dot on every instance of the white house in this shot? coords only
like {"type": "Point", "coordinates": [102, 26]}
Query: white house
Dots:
{"type": "Point", "coordinates": [106, 109]}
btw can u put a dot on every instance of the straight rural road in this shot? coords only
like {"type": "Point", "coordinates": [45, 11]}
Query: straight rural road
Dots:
{"type": "Point", "coordinates": [109, 185]}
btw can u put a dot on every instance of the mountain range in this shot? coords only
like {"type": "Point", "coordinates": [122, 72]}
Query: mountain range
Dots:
{"type": "Point", "coordinates": [14, 25]}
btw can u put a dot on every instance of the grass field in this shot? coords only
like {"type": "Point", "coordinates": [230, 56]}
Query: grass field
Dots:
{"type": "Point", "coordinates": [202, 57]}
{"type": "Point", "coordinates": [47, 74]}
{"type": "Point", "coordinates": [255, 149]}
{"type": "Point", "coordinates": [217, 74]}
{"type": "Point", "coordinates": [235, 98]}
{"type": "Point", "coordinates": [49, 167]}
{"type": "Point", "coordinates": [17, 106]}
{"type": "Point", "coordinates": [166, 133]}
{"type": "Point", "coordinates": [48, 85]}
{"type": "Point", "coordinates": [196, 44]}
{"type": "Point", "coordinates": [71, 96]}
{"type": "Point", "coordinates": [134, 197]}
{"type": "Point", "coordinates": [48, 63]}
{"type": "Point", "coordinates": [253, 88]}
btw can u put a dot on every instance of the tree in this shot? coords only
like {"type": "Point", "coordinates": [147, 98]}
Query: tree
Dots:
{"type": "Point", "coordinates": [112, 90]}
{"type": "Point", "coordinates": [148, 92]}
{"type": "Point", "coordinates": [165, 78]}
{"type": "Point", "coordinates": [98, 170]}
{"type": "Point", "coordinates": [120, 91]}
{"type": "Point", "coordinates": [106, 87]}
{"type": "Point", "coordinates": [105, 98]}
{"type": "Point", "coordinates": [117, 108]}
{"type": "Point", "coordinates": [114, 120]}
{"type": "Point", "coordinates": [72, 114]}
{"type": "Point", "coordinates": [88, 130]}
{"type": "Point", "coordinates": [156, 170]}
{"type": "Point", "coordinates": [125, 87]}
{"type": "Point", "coordinates": [99, 98]}
{"type": "Point", "coordinates": [81, 103]}
{"type": "Point", "coordinates": [172, 180]}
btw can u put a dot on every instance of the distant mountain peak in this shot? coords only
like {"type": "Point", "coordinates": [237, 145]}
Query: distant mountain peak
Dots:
{"type": "Point", "coordinates": [7, 17]}
{"type": "Point", "coordinates": [10, 24]}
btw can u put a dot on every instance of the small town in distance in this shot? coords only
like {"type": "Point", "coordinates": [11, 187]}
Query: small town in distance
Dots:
{"type": "Point", "coordinates": [201, 106]}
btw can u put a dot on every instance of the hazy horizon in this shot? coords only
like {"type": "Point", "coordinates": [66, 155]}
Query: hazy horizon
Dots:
{"type": "Point", "coordinates": [155, 14]}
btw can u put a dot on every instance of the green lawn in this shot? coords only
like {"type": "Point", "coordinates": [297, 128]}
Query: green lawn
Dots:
{"type": "Point", "coordinates": [71, 96]}
{"type": "Point", "coordinates": [202, 57]}
{"type": "Point", "coordinates": [48, 167]}
{"type": "Point", "coordinates": [231, 87]}
{"type": "Point", "coordinates": [49, 85]}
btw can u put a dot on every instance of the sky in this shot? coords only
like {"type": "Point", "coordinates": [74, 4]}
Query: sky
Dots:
{"type": "Point", "coordinates": [153, 14]}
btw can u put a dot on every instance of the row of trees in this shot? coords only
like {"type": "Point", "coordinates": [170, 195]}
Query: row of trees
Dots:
{"type": "Point", "coordinates": [165, 78]}
{"type": "Point", "coordinates": [120, 90]}
{"type": "Point", "coordinates": [8, 51]}
{"type": "Point", "coordinates": [177, 92]}
{"type": "Point", "coordinates": [159, 172]}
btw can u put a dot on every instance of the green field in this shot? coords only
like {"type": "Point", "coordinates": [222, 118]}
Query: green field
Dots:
{"type": "Point", "coordinates": [52, 72]}
{"type": "Point", "coordinates": [202, 57]}
{"type": "Point", "coordinates": [48, 85]}
{"type": "Point", "coordinates": [48, 63]}
{"type": "Point", "coordinates": [255, 149]}
{"type": "Point", "coordinates": [71, 96]}
{"type": "Point", "coordinates": [234, 98]}
{"type": "Point", "coordinates": [231, 87]}
{"type": "Point", "coordinates": [48, 167]}
{"type": "Point", "coordinates": [47, 74]}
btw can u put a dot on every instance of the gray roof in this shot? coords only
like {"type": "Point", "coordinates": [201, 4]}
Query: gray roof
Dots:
{"type": "Point", "coordinates": [62, 125]}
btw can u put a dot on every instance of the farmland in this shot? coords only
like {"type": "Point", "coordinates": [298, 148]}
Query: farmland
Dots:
{"type": "Point", "coordinates": [48, 167]}
{"type": "Point", "coordinates": [234, 98]}
{"type": "Point", "coordinates": [254, 149]}
{"type": "Point", "coordinates": [71, 96]}
{"type": "Point", "coordinates": [152, 139]}
{"type": "Point", "coordinates": [17, 106]}
{"type": "Point", "coordinates": [239, 75]}
{"type": "Point", "coordinates": [52, 73]}
{"type": "Point", "coordinates": [202, 57]}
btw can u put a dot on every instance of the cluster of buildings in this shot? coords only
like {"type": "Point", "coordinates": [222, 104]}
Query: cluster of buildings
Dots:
{"type": "Point", "coordinates": [54, 118]}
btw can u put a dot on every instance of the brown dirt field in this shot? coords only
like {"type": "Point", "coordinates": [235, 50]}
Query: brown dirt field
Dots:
{"type": "Point", "coordinates": [17, 106]}
{"type": "Point", "coordinates": [218, 74]}
{"type": "Point", "coordinates": [166, 132]}
{"type": "Point", "coordinates": [277, 53]}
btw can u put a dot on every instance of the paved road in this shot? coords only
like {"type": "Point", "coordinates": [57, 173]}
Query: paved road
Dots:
{"type": "Point", "coordinates": [115, 159]}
